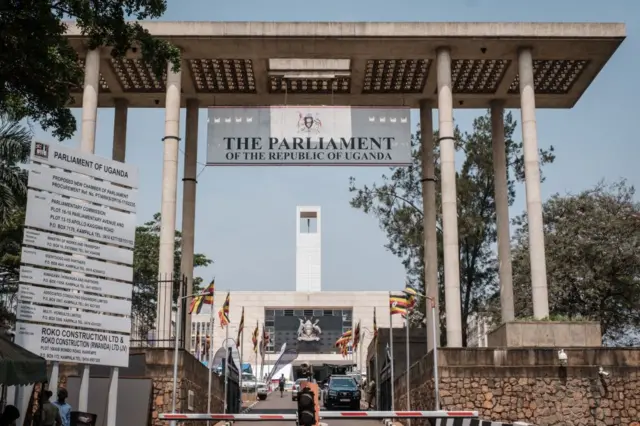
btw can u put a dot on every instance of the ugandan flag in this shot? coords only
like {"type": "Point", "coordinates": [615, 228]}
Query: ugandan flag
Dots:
{"type": "Point", "coordinates": [265, 336]}
{"type": "Point", "coordinates": [254, 339]}
{"type": "Point", "coordinates": [411, 295]}
{"type": "Point", "coordinates": [265, 339]}
{"type": "Point", "coordinates": [398, 304]}
{"type": "Point", "coordinates": [356, 337]}
{"type": "Point", "coordinates": [344, 349]}
{"type": "Point", "coordinates": [223, 313]}
{"type": "Point", "coordinates": [344, 338]}
{"type": "Point", "coordinates": [204, 298]}
{"type": "Point", "coordinates": [240, 328]}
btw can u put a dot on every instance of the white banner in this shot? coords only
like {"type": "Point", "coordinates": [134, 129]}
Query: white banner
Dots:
{"type": "Point", "coordinates": [76, 346]}
{"type": "Point", "coordinates": [33, 237]}
{"type": "Point", "coordinates": [72, 318]}
{"type": "Point", "coordinates": [82, 187]}
{"type": "Point", "coordinates": [49, 259]}
{"type": "Point", "coordinates": [72, 299]}
{"type": "Point", "coordinates": [57, 155]}
{"type": "Point", "coordinates": [309, 136]}
{"type": "Point", "coordinates": [54, 213]}
{"type": "Point", "coordinates": [68, 281]}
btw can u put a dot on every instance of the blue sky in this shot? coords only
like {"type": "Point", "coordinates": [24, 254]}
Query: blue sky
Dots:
{"type": "Point", "coordinates": [245, 217]}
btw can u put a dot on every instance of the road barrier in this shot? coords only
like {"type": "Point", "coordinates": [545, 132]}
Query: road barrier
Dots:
{"type": "Point", "coordinates": [353, 415]}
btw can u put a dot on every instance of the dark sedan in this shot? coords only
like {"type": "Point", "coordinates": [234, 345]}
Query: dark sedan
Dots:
{"type": "Point", "coordinates": [342, 391]}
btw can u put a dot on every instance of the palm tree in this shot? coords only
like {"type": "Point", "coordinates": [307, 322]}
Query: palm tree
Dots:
{"type": "Point", "coordinates": [15, 148]}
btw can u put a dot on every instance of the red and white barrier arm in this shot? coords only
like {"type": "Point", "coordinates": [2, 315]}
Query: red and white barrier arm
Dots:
{"type": "Point", "coordinates": [396, 414]}
{"type": "Point", "coordinates": [235, 417]}
{"type": "Point", "coordinates": [323, 415]}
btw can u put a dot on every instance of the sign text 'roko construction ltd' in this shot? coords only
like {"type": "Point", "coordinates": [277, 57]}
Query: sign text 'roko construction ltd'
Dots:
{"type": "Point", "coordinates": [77, 346]}
{"type": "Point", "coordinates": [309, 136]}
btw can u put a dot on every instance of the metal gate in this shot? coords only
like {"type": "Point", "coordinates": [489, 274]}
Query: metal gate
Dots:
{"type": "Point", "coordinates": [385, 386]}
{"type": "Point", "coordinates": [233, 385]}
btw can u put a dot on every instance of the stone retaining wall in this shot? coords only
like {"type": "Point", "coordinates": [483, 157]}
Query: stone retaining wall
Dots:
{"type": "Point", "coordinates": [529, 385]}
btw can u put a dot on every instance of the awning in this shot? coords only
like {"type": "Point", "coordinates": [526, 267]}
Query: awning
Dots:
{"type": "Point", "coordinates": [19, 367]}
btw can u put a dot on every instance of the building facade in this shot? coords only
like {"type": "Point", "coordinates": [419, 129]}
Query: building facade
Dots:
{"type": "Point", "coordinates": [308, 319]}
{"type": "Point", "coordinates": [285, 314]}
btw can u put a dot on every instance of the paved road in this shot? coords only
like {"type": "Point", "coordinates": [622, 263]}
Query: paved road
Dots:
{"type": "Point", "coordinates": [276, 405]}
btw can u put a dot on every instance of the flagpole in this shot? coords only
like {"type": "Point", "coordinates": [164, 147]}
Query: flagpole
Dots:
{"type": "Point", "coordinates": [210, 361]}
{"type": "Point", "coordinates": [377, 378]}
{"type": "Point", "coordinates": [393, 403]}
{"type": "Point", "coordinates": [263, 349]}
{"type": "Point", "coordinates": [241, 358]}
{"type": "Point", "coordinates": [176, 332]}
{"type": "Point", "coordinates": [226, 367]}
{"type": "Point", "coordinates": [407, 370]}
{"type": "Point", "coordinates": [255, 375]}
{"type": "Point", "coordinates": [436, 385]}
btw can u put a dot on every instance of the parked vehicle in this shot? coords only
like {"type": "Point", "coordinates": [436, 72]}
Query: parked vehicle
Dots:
{"type": "Point", "coordinates": [296, 388]}
{"type": "Point", "coordinates": [263, 391]}
{"type": "Point", "coordinates": [342, 391]}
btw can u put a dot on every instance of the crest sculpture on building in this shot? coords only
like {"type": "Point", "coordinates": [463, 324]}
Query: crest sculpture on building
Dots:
{"type": "Point", "coordinates": [309, 331]}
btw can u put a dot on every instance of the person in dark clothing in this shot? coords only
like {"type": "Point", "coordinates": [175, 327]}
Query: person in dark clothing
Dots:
{"type": "Point", "coordinates": [50, 412]}
{"type": "Point", "coordinates": [281, 384]}
{"type": "Point", "coordinates": [9, 416]}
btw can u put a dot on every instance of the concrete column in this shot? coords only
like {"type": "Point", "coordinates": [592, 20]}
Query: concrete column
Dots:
{"type": "Point", "coordinates": [120, 130]}
{"type": "Point", "coordinates": [502, 210]}
{"type": "Point", "coordinates": [189, 204]}
{"type": "Point", "coordinates": [429, 217]}
{"type": "Point", "coordinates": [90, 101]}
{"type": "Point", "coordinates": [449, 200]}
{"type": "Point", "coordinates": [532, 185]}
{"type": "Point", "coordinates": [118, 154]}
{"type": "Point", "coordinates": [171, 143]}
{"type": "Point", "coordinates": [88, 145]}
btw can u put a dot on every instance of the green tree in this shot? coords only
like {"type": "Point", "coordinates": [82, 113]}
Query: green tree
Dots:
{"type": "Point", "coordinates": [38, 66]}
{"type": "Point", "coordinates": [146, 256]}
{"type": "Point", "coordinates": [397, 203]}
{"type": "Point", "coordinates": [11, 234]}
{"type": "Point", "coordinates": [592, 243]}
{"type": "Point", "coordinates": [15, 143]}
{"type": "Point", "coordinates": [15, 146]}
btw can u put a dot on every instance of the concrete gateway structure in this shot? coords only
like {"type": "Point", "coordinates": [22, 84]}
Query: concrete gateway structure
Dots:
{"type": "Point", "coordinates": [419, 65]}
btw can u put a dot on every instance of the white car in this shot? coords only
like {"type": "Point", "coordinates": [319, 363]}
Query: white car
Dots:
{"type": "Point", "coordinates": [263, 391]}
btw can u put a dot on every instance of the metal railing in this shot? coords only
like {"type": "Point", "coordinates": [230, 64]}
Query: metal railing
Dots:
{"type": "Point", "coordinates": [144, 313]}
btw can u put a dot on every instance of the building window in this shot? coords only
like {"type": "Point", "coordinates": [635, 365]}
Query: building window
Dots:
{"type": "Point", "coordinates": [308, 222]}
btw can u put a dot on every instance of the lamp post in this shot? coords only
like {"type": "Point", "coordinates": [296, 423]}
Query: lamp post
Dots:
{"type": "Point", "coordinates": [436, 386]}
